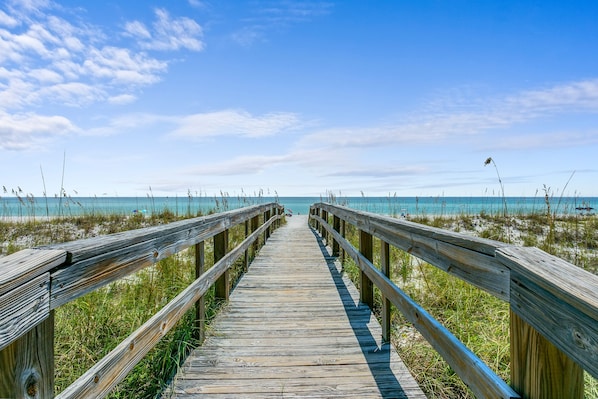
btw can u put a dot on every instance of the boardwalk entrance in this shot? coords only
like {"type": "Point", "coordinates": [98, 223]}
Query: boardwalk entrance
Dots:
{"type": "Point", "coordinates": [294, 328]}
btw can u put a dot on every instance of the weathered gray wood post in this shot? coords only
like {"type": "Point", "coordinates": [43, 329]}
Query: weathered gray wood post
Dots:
{"type": "Point", "coordinates": [539, 370]}
{"type": "Point", "coordinates": [366, 289]}
{"type": "Point", "coordinates": [246, 256]}
{"type": "Point", "coordinates": [343, 234]}
{"type": "Point", "coordinates": [267, 231]}
{"type": "Point", "coordinates": [323, 231]}
{"type": "Point", "coordinates": [200, 306]}
{"type": "Point", "coordinates": [222, 285]}
{"type": "Point", "coordinates": [255, 222]}
{"type": "Point", "coordinates": [385, 267]}
{"type": "Point", "coordinates": [27, 364]}
{"type": "Point", "coordinates": [336, 225]}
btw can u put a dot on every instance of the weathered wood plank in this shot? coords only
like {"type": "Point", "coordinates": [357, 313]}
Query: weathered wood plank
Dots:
{"type": "Point", "coordinates": [474, 372]}
{"type": "Point", "coordinates": [379, 225]}
{"type": "Point", "coordinates": [23, 308]}
{"type": "Point", "coordinates": [27, 364]}
{"type": "Point", "coordinates": [558, 299]}
{"type": "Point", "coordinates": [114, 367]}
{"type": "Point", "coordinates": [469, 258]}
{"type": "Point", "coordinates": [538, 368]}
{"type": "Point", "coordinates": [97, 261]}
{"type": "Point", "coordinates": [294, 327]}
{"type": "Point", "coordinates": [22, 266]}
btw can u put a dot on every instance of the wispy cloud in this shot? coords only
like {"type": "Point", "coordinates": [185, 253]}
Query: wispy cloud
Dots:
{"type": "Point", "coordinates": [272, 16]}
{"type": "Point", "coordinates": [445, 123]}
{"type": "Point", "coordinates": [380, 171]}
{"type": "Point", "coordinates": [167, 33]}
{"type": "Point", "coordinates": [527, 141]}
{"type": "Point", "coordinates": [244, 165]}
{"type": "Point", "coordinates": [234, 123]}
{"type": "Point", "coordinates": [122, 99]}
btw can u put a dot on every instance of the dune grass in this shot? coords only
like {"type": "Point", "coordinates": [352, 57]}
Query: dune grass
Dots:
{"type": "Point", "coordinates": [478, 319]}
{"type": "Point", "coordinates": [91, 326]}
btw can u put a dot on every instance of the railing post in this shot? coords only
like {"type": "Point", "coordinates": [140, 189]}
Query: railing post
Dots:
{"type": "Point", "coordinates": [246, 257]}
{"type": "Point", "coordinates": [200, 306]}
{"type": "Point", "coordinates": [336, 225]}
{"type": "Point", "coordinates": [221, 285]}
{"type": "Point", "coordinates": [323, 231]}
{"type": "Point", "coordinates": [267, 232]}
{"type": "Point", "coordinates": [316, 225]}
{"type": "Point", "coordinates": [343, 234]}
{"type": "Point", "coordinates": [385, 266]}
{"type": "Point", "coordinates": [538, 369]}
{"type": "Point", "coordinates": [366, 247]}
{"type": "Point", "coordinates": [27, 364]}
{"type": "Point", "coordinates": [255, 222]}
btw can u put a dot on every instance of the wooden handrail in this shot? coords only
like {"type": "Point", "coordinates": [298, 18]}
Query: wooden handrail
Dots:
{"type": "Point", "coordinates": [34, 282]}
{"type": "Point", "coordinates": [554, 305]}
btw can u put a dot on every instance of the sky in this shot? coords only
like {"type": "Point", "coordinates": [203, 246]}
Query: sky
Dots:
{"type": "Point", "coordinates": [299, 98]}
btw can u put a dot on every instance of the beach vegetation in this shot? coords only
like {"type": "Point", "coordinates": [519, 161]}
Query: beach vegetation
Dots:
{"type": "Point", "coordinates": [89, 327]}
{"type": "Point", "coordinates": [478, 319]}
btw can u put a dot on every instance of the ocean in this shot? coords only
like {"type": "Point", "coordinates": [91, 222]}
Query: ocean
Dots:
{"type": "Point", "coordinates": [28, 206]}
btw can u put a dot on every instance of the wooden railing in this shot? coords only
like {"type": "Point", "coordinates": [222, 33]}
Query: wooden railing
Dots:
{"type": "Point", "coordinates": [34, 282]}
{"type": "Point", "coordinates": [553, 304]}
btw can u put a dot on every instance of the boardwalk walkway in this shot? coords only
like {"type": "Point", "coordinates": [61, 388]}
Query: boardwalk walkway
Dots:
{"type": "Point", "coordinates": [293, 328]}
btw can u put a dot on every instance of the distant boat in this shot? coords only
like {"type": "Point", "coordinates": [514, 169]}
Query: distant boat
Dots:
{"type": "Point", "coordinates": [584, 208]}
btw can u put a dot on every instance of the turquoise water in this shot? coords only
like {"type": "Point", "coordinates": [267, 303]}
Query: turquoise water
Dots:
{"type": "Point", "coordinates": [395, 206]}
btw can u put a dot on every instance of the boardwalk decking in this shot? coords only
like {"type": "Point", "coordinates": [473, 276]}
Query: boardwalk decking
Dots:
{"type": "Point", "coordinates": [294, 328]}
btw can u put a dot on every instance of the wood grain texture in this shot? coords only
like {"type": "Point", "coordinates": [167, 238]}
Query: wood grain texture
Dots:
{"type": "Point", "coordinates": [469, 258]}
{"type": "Point", "coordinates": [539, 370]}
{"type": "Point", "coordinates": [294, 328]}
{"type": "Point", "coordinates": [23, 308]}
{"type": "Point", "coordinates": [473, 371]}
{"type": "Point", "coordinates": [27, 364]}
{"type": "Point", "coordinates": [114, 367]}
{"type": "Point", "coordinates": [558, 299]}
{"type": "Point", "coordinates": [23, 266]}
{"type": "Point", "coordinates": [97, 261]}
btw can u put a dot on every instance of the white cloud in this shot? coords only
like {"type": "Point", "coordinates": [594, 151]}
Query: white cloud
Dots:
{"type": "Point", "coordinates": [128, 122]}
{"type": "Point", "coordinates": [44, 75]}
{"type": "Point", "coordinates": [7, 20]}
{"type": "Point", "coordinates": [47, 59]}
{"type": "Point", "coordinates": [122, 99]}
{"type": "Point", "coordinates": [137, 29]}
{"type": "Point", "coordinates": [575, 95]}
{"type": "Point", "coordinates": [275, 16]}
{"type": "Point", "coordinates": [294, 11]}
{"type": "Point", "coordinates": [168, 33]}
{"type": "Point", "coordinates": [437, 126]}
{"type": "Point", "coordinates": [245, 165]}
{"type": "Point", "coordinates": [72, 94]}
{"type": "Point", "coordinates": [248, 35]}
{"type": "Point", "coordinates": [560, 139]}
{"type": "Point", "coordinates": [379, 171]}
{"type": "Point", "coordinates": [197, 4]}
{"type": "Point", "coordinates": [31, 131]}
{"type": "Point", "coordinates": [121, 66]}
{"type": "Point", "coordinates": [235, 123]}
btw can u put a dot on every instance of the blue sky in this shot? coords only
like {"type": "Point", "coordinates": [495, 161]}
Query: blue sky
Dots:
{"type": "Point", "coordinates": [299, 97]}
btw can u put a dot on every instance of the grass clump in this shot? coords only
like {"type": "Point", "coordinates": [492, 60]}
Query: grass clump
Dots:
{"type": "Point", "coordinates": [89, 327]}
{"type": "Point", "coordinates": [476, 318]}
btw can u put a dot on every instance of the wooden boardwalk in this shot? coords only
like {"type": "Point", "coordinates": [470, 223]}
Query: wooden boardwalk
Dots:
{"type": "Point", "coordinates": [293, 328]}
